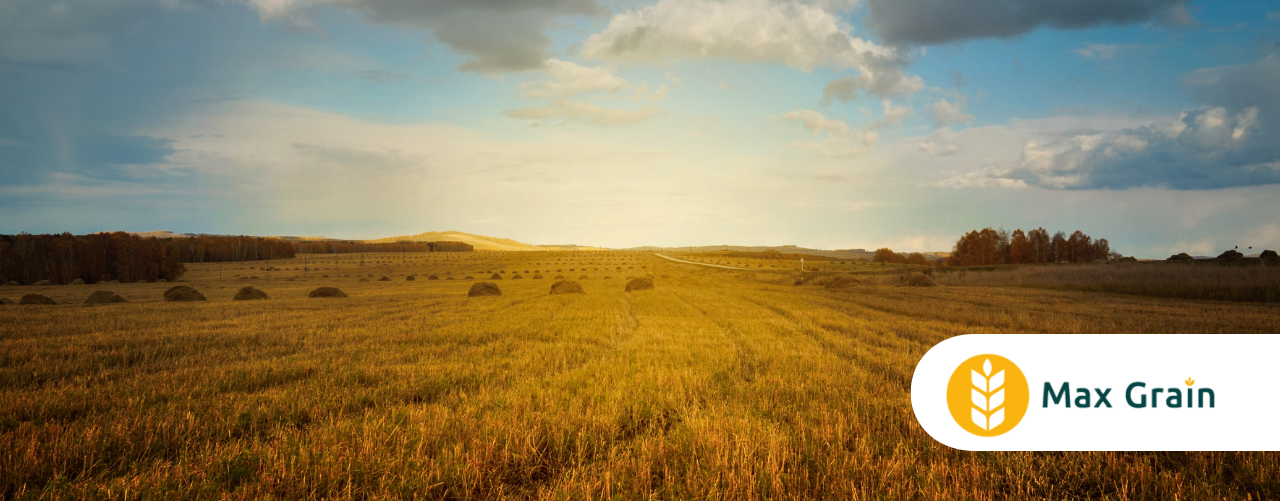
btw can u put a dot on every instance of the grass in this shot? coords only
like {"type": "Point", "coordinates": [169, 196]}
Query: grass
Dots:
{"type": "Point", "coordinates": [1255, 281]}
{"type": "Point", "coordinates": [711, 386]}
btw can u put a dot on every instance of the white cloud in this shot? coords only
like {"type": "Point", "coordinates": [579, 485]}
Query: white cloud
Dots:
{"type": "Point", "coordinates": [816, 123]}
{"type": "Point", "coordinates": [1105, 51]}
{"type": "Point", "coordinates": [946, 113]}
{"type": "Point", "coordinates": [586, 113]}
{"type": "Point", "coordinates": [569, 80]}
{"type": "Point", "coordinates": [841, 141]}
{"type": "Point", "coordinates": [788, 32]}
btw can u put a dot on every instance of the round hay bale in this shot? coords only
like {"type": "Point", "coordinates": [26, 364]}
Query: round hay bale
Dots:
{"type": "Point", "coordinates": [42, 282]}
{"type": "Point", "coordinates": [516, 277]}
{"type": "Point", "coordinates": [76, 282]}
{"type": "Point", "coordinates": [918, 280]}
{"type": "Point", "coordinates": [566, 287]}
{"type": "Point", "coordinates": [640, 284]}
{"type": "Point", "coordinates": [248, 293]}
{"type": "Point", "coordinates": [484, 289]}
{"type": "Point", "coordinates": [161, 281]}
{"type": "Point", "coordinates": [537, 277]}
{"type": "Point", "coordinates": [327, 292]}
{"type": "Point", "coordinates": [36, 299]}
{"type": "Point", "coordinates": [410, 278]}
{"type": "Point", "coordinates": [1268, 254]}
{"type": "Point", "coordinates": [5, 301]}
{"type": "Point", "coordinates": [433, 277]}
{"type": "Point", "coordinates": [1181, 257]}
{"type": "Point", "coordinates": [584, 277]}
{"type": "Point", "coordinates": [384, 279]}
{"type": "Point", "coordinates": [182, 294]}
{"type": "Point", "coordinates": [1231, 254]}
{"type": "Point", "coordinates": [448, 278]}
{"type": "Point", "coordinates": [468, 277]}
{"type": "Point", "coordinates": [843, 282]}
{"type": "Point", "coordinates": [607, 277]}
{"type": "Point", "coordinates": [559, 277]}
{"type": "Point", "coordinates": [104, 297]}
{"type": "Point", "coordinates": [496, 277]}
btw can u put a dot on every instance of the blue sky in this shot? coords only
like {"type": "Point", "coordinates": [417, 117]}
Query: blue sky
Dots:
{"type": "Point", "coordinates": [822, 123]}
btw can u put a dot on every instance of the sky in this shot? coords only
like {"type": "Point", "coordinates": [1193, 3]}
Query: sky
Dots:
{"type": "Point", "coordinates": [822, 123]}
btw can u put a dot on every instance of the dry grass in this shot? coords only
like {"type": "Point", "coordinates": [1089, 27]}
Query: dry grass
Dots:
{"type": "Point", "coordinates": [710, 386]}
{"type": "Point", "coordinates": [1253, 282]}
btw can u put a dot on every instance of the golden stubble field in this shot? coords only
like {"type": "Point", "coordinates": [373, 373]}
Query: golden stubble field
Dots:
{"type": "Point", "coordinates": [714, 385]}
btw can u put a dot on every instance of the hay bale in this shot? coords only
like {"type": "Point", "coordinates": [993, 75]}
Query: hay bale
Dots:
{"type": "Point", "coordinates": [1181, 257]}
{"type": "Point", "coordinates": [640, 284]}
{"type": "Point", "coordinates": [248, 293]}
{"type": "Point", "coordinates": [516, 277]}
{"type": "Point", "coordinates": [362, 279]}
{"type": "Point", "coordinates": [1231, 254]}
{"type": "Point", "coordinates": [182, 294]}
{"type": "Point", "coordinates": [5, 301]}
{"type": "Point", "coordinates": [42, 282]}
{"type": "Point", "coordinates": [584, 277]}
{"type": "Point", "coordinates": [918, 280]}
{"type": "Point", "coordinates": [384, 279]}
{"type": "Point", "coordinates": [484, 289]}
{"type": "Point", "coordinates": [559, 277]}
{"type": "Point", "coordinates": [566, 287]}
{"type": "Point", "coordinates": [76, 282]}
{"type": "Point", "coordinates": [36, 299]}
{"type": "Point", "coordinates": [448, 278]}
{"type": "Point", "coordinates": [104, 297]}
{"type": "Point", "coordinates": [843, 282]}
{"type": "Point", "coordinates": [161, 281]}
{"type": "Point", "coordinates": [537, 277]}
{"type": "Point", "coordinates": [496, 277]}
{"type": "Point", "coordinates": [410, 278]}
{"type": "Point", "coordinates": [468, 277]}
{"type": "Point", "coordinates": [433, 277]}
{"type": "Point", "coordinates": [1268, 254]}
{"type": "Point", "coordinates": [607, 277]}
{"type": "Point", "coordinates": [327, 292]}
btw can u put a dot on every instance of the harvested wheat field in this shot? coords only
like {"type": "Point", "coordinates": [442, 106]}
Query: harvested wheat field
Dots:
{"type": "Point", "coordinates": [717, 385]}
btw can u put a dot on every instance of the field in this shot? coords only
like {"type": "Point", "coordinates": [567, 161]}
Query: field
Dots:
{"type": "Point", "coordinates": [715, 385]}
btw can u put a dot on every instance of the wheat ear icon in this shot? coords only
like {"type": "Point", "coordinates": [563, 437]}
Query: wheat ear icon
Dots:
{"type": "Point", "coordinates": [988, 397]}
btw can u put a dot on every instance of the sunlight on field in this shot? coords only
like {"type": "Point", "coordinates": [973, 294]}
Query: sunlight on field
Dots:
{"type": "Point", "coordinates": [711, 385]}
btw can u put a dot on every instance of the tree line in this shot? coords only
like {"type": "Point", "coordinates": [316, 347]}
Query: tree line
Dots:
{"type": "Point", "coordinates": [61, 259]}
{"type": "Point", "coordinates": [988, 246]}
{"type": "Point", "coordinates": [102, 257]}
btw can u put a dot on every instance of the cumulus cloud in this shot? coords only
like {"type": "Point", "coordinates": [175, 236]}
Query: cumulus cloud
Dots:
{"type": "Point", "coordinates": [569, 80]}
{"type": "Point", "coordinates": [880, 84]}
{"type": "Point", "coordinates": [496, 35]}
{"type": "Point", "coordinates": [788, 32]}
{"type": "Point", "coordinates": [586, 113]}
{"type": "Point", "coordinates": [941, 21]}
{"type": "Point", "coordinates": [1105, 51]}
{"type": "Point", "coordinates": [841, 141]}
{"type": "Point", "coordinates": [1234, 140]}
{"type": "Point", "coordinates": [946, 112]}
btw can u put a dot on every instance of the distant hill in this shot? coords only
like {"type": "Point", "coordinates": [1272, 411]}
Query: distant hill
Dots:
{"type": "Point", "coordinates": [480, 242]}
{"type": "Point", "coordinates": [169, 234]}
{"type": "Point", "coordinates": [789, 249]}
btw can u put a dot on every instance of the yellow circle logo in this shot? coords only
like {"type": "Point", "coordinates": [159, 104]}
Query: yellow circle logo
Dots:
{"type": "Point", "coordinates": [988, 395]}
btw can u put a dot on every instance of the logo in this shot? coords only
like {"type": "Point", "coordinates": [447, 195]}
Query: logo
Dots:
{"type": "Point", "coordinates": [988, 395]}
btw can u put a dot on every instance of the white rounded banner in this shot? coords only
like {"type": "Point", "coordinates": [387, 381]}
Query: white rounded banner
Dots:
{"type": "Point", "coordinates": [1101, 392]}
